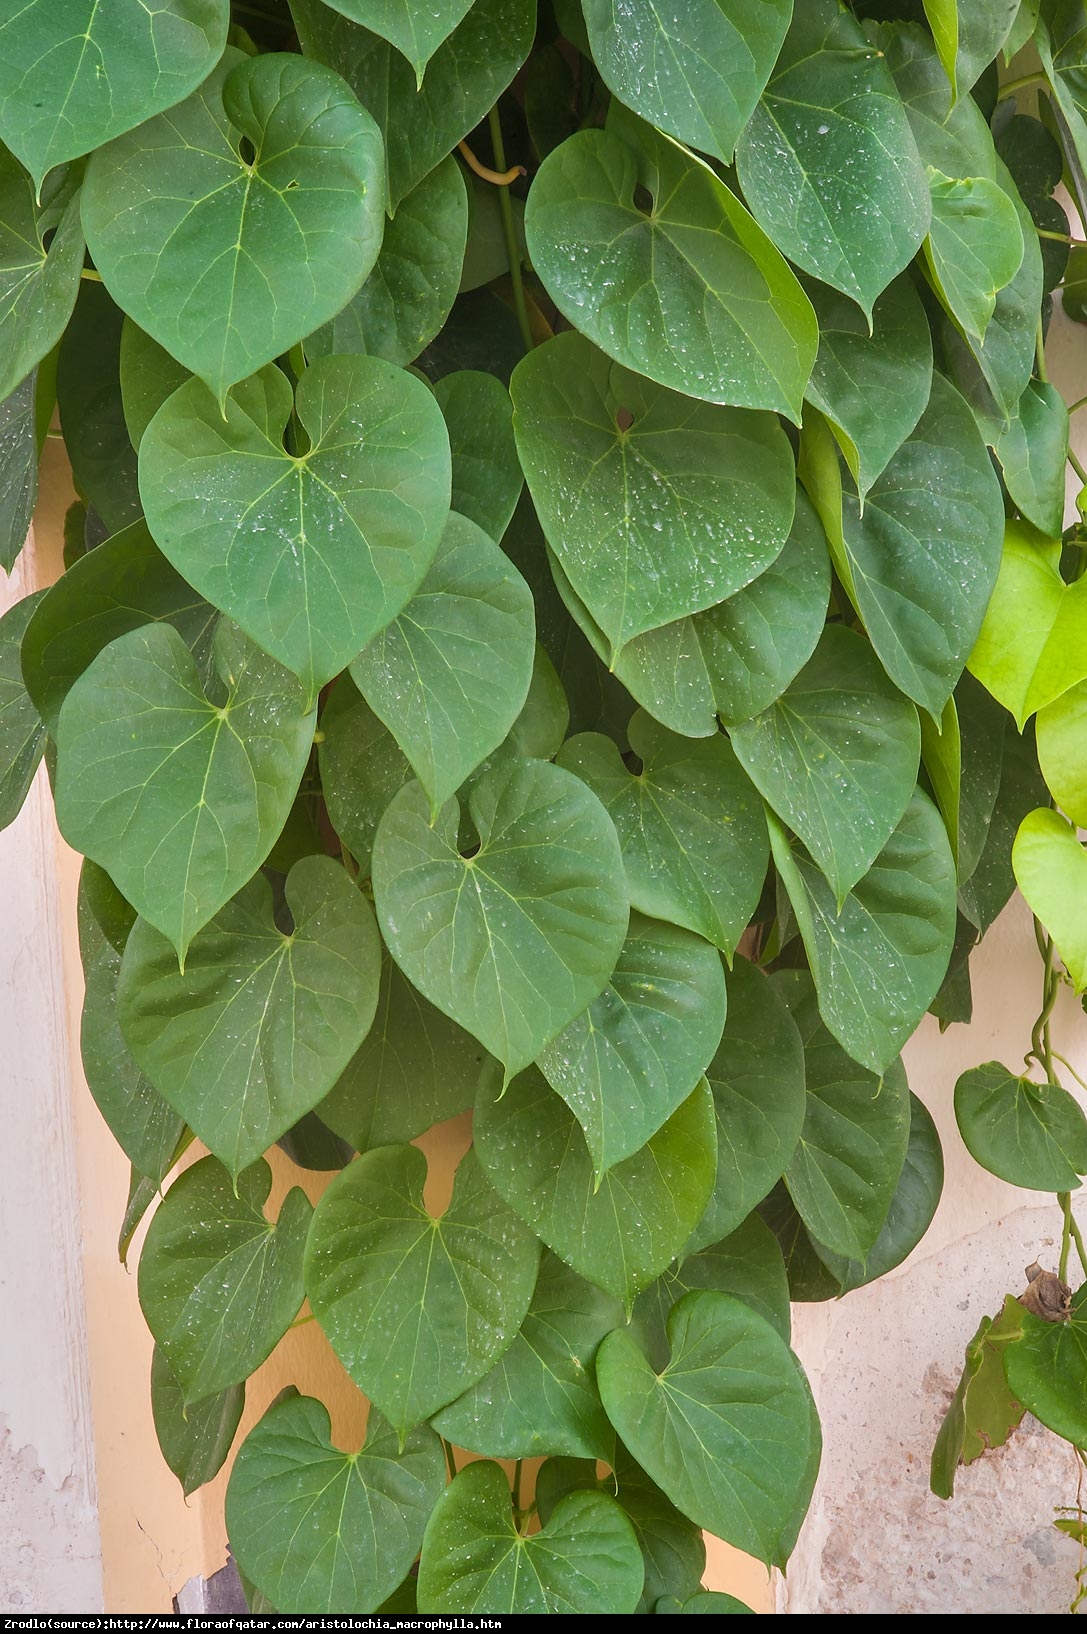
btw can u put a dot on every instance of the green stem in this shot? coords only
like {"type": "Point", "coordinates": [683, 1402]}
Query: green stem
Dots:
{"type": "Point", "coordinates": [513, 249]}
{"type": "Point", "coordinates": [1061, 238]}
{"type": "Point", "coordinates": [1064, 1198]}
{"type": "Point", "coordinates": [1080, 402]}
{"type": "Point", "coordinates": [1077, 467]}
{"type": "Point", "coordinates": [1026, 83]}
{"type": "Point", "coordinates": [1082, 1082]}
{"type": "Point", "coordinates": [1039, 350]}
{"type": "Point", "coordinates": [300, 1321]}
{"type": "Point", "coordinates": [90, 274]}
{"type": "Point", "coordinates": [1077, 1238]}
{"type": "Point", "coordinates": [450, 1461]}
{"type": "Point", "coordinates": [1041, 1047]}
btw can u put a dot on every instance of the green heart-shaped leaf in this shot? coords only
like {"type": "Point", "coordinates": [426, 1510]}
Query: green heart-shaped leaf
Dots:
{"type": "Point", "coordinates": [413, 1069]}
{"type": "Point", "coordinates": [73, 76]}
{"type": "Point", "coordinates": [925, 553]}
{"type": "Point", "coordinates": [585, 1561]}
{"type": "Point", "coordinates": [540, 1396]}
{"type": "Point", "coordinates": [260, 1025]}
{"type": "Point", "coordinates": [311, 554]}
{"type": "Point", "coordinates": [1029, 1134]}
{"type": "Point", "coordinates": [407, 297]}
{"type": "Point", "coordinates": [688, 291]}
{"type": "Point", "coordinates": [361, 768]}
{"type": "Point", "coordinates": [144, 1125]}
{"type": "Point", "coordinates": [828, 163]}
{"type": "Point", "coordinates": [416, 31]}
{"type": "Point", "coordinates": [872, 388]}
{"type": "Point", "coordinates": [747, 1263]}
{"type": "Point", "coordinates": [757, 1079]}
{"type": "Point", "coordinates": [22, 734]}
{"type": "Point", "coordinates": [657, 506]}
{"type": "Point", "coordinates": [450, 676]}
{"type": "Point", "coordinates": [464, 78]}
{"type": "Point", "coordinates": [229, 262]}
{"type": "Point", "coordinates": [515, 940]}
{"type": "Point", "coordinates": [417, 1308]}
{"type": "Point", "coordinates": [318, 1530]}
{"type": "Point", "coordinates": [487, 478]}
{"type": "Point", "coordinates": [836, 757]}
{"type": "Point", "coordinates": [968, 37]}
{"type": "Point", "coordinates": [119, 586]}
{"type": "Point", "coordinates": [724, 1429]}
{"type": "Point", "coordinates": [688, 825]}
{"type": "Point", "coordinates": [1033, 453]}
{"type": "Point", "coordinates": [697, 74]}
{"type": "Point", "coordinates": [18, 468]}
{"type": "Point", "coordinates": [1047, 1371]}
{"type": "Point", "coordinates": [848, 1160]}
{"type": "Point", "coordinates": [879, 957]}
{"type": "Point", "coordinates": [974, 247]}
{"type": "Point", "coordinates": [1032, 646]}
{"type": "Point", "coordinates": [622, 1233]}
{"type": "Point", "coordinates": [148, 376]}
{"type": "Point", "coordinates": [626, 1063]}
{"type": "Point", "coordinates": [1051, 871]}
{"type": "Point", "coordinates": [180, 796]}
{"type": "Point", "coordinates": [219, 1285]}
{"type": "Point", "coordinates": [194, 1438]}
{"type": "Point", "coordinates": [41, 253]}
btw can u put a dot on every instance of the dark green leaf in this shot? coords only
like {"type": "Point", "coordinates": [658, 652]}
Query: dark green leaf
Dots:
{"type": "Point", "coordinates": [41, 252]}
{"type": "Point", "coordinates": [416, 1308]}
{"type": "Point", "coordinates": [193, 1439]}
{"type": "Point", "coordinates": [220, 1285]}
{"type": "Point", "coordinates": [92, 410]}
{"type": "Point", "coordinates": [22, 735]}
{"type": "Point", "coordinates": [18, 468]}
{"type": "Point", "coordinates": [809, 1280]}
{"type": "Point", "coordinates": [974, 249]}
{"type": "Point", "coordinates": [688, 824]}
{"type": "Point", "coordinates": [836, 756]}
{"type": "Point", "coordinates": [148, 376]}
{"type": "Point", "coordinates": [260, 1025]}
{"type": "Point", "coordinates": [691, 293]}
{"type": "Point", "coordinates": [992, 881]}
{"type": "Point", "coordinates": [361, 768]}
{"type": "Point", "coordinates": [624, 1233]}
{"type": "Point", "coordinates": [585, 1562]}
{"type": "Point", "coordinates": [487, 478]}
{"type": "Point", "coordinates": [180, 796]}
{"type": "Point", "coordinates": [515, 940]}
{"type": "Point", "coordinates": [319, 1530]}
{"type": "Point", "coordinates": [828, 163]}
{"type": "Point", "coordinates": [225, 262]}
{"type": "Point", "coordinates": [416, 31]}
{"type": "Point", "coordinates": [1033, 454]}
{"type": "Point", "coordinates": [1029, 1134]}
{"type": "Point", "coordinates": [748, 1264]}
{"type": "Point", "coordinates": [968, 36]}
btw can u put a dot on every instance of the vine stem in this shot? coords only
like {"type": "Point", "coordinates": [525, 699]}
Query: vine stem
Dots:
{"type": "Point", "coordinates": [300, 1321]}
{"type": "Point", "coordinates": [513, 249]}
{"type": "Point", "coordinates": [1041, 1046]}
{"type": "Point", "coordinates": [90, 274]}
{"type": "Point", "coordinates": [1077, 467]}
{"type": "Point", "coordinates": [1080, 402]}
{"type": "Point", "coordinates": [450, 1460]}
{"type": "Point", "coordinates": [1060, 238]}
{"type": "Point", "coordinates": [1026, 82]}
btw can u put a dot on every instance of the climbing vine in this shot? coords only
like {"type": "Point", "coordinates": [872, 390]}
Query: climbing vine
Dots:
{"type": "Point", "coordinates": [566, 618]}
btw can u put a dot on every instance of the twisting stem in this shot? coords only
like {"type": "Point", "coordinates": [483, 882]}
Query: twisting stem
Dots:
{"type": "Point", "coordinates": [1064, 1198]}
{"type": "Point", "coordinates": [500, 178]}
{"type": "Point", "coordinates": [1041, 1047]}
{"type": "Point", "coordinates": [450, 1461]}
{"type": "Point", "coordinates": [1026, 83]}
{"type": "Point", "coordinates": [513, 249]}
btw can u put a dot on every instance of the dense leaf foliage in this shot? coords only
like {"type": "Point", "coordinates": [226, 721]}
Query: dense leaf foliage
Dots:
{"type": "Point", "coordinates": [566, 619]}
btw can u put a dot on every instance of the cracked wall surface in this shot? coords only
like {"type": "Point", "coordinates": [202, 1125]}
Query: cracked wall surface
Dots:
{"type": "Point", "coordinates": [50, 1558]}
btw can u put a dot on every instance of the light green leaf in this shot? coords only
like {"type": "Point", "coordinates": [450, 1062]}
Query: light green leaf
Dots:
{"type": "Point", "coordinates": [1062, 751]}
{"type": "Point", "coordinates": [1029, 1134]}
{"type": "Point", "coordinates": [913, 1205]}
{"type": "Point", "coordinates": [624, 1233]}
{"type": "Point", "coordinates": [219, 1285]}
{"type": "Point", "coordinates": [361, 768]}
{"type": "Point", "coordinates": [416, 1308]}
{"type": "Point", "coordinates": [1051, 871]}
{"type": "Point", "coordinates": [318, 1530]}
{"type": "Point", "coordinates": [41, 252]}
{"type": "Point", "coordinates": [180, 796]}
{"type": "Point", "coordinates": [194, 1439]}
{"type": "Point", "coordinates": [836, 756]}
{"type": "Point", "coordinates": [22, 734]}
{"type": "Point", "coordinates": [229, 262]}
{"type": "Point", "coordinates": [1032, 646]}
{"type": "Point", "coordinates": [143, 1124]}
{"type": "Point", "coordinates": [1047, 1371]}
{"type": "Point", "coordinates": [873, 389]}
{"type": "Point", "coordinates": [696, 74]}
{"type": "Point", "coordinates": [757, 1079]}
{"type": "Point", "coordinates": [688, 290]}
{"type": "Point", "coordinates": [584, 1562]}
{"type": "Point", "coordinates": [149, 375]}
{"type": "Point", "coordinates": [925, 554]}
{"type": "Point", "coordinates": [515, 940]}
{"type": "Point", "coordinates": [626, 1063]}
{"type": "Point", "coordinates": [1033, 454]}
{"type": "Point", "coordinates": [73, 76]}
{"type": "Point", "coordinates": [724, 1430]}
{"type": "Point", "coordinates": [119, 586]}
{"type": "Point", "coordinates": [968, 36]}
{"type": "Point", "coordinates": [413, 1069]}
{"type": "Point", "coordinates": [465, 77]}
{"type": "Point", "coordinates": [314, 553]}
{"type": "Point", "coordinates": [688, 824]}
{"type": "Point", "coordinates": [983, 1411]}
{"type": "Point", "coordinates": [416, 31]}
{"type": "Point", "coordinates": [656, 506]}
{"type": "Point", "coordinates": [847, 1163]}
{"type": "Point", "coordinates": [260, 1025]}
{"type": "Point", "coordinates": [450, 675]}
{"type": "Point", "coordinates": [828, 163]}
{"type": "Point", "coordinates": [747, 1263]}
{"type": "Point", "coordinates": [18, 468]}
{"type": "Point", "coordinates": [487, 478]}
{"type": "Point", "coordinates": [879, 956]}
{"type": "Point", "coordinates": [540, 1397]}
{"type": "Point", "coordinates": [974, 248]}
{"type": "Point", "coordinates": [410, 292]}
